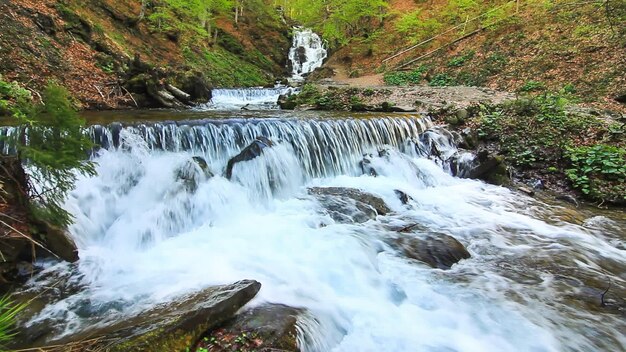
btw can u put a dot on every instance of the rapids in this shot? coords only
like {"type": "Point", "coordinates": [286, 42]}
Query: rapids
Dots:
{"type": "Point", "coordinates": [533, 282]}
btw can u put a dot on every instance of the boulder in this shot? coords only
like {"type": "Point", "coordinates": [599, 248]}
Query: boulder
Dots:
{"type": "Point", "coordinates": [196, 84]}
{"type": "Point", "coordinates": [192, 172]}
{"type": "Point", "coordinates": [59, 242]}
{"type": "Point", "coordinates": [349, 205]}
{"type": "Point", "coordinates": [437, 250]}
{"type": "Point", "coordinates": [270, 327]}
{"type": "Point", "coordinates": [168, 327]}
{"type": "Point", "coordinates": [250, 152]}
{"type": "Point", "coordinates": [488, 167]}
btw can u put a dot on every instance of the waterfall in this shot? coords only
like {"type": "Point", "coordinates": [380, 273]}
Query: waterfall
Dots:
{"type": "Point", "coordinates": [307, 53]}
{"type": "Point", "coordinates": [324, 147]}
{"type": "Point", "coordinates": [246, 98]}
{"type": "Point", "coordinates": [145, 238]}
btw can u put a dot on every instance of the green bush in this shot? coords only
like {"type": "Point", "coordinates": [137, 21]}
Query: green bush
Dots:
{"type": "Point", "coordinates": [534, 130]}
{"type": "Point", "coordinates": [442, 80]}
{"type": "Point", "coordinates": [532, 86]}
{"type": "Point", "coordinates": [598, 171]}
{"type": "Point", "coordinates": [400, 78]}
{"type": "Point", "coordinates": [460, 60]}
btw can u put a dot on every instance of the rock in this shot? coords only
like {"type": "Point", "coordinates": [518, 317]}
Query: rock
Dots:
{"type": "Point", "coordinates": [462, 114]}
{"type": "Point", "coordinates": [567, 198]}
{"type": "Point", "coordinates": [301, 54]}
{"type": "Point", "coordinates": [366, 166]}
{"type": "Point", "coordinates": [402, 108]}
{"type": "Point", "coordinates": [404, 198]}
{"type": "Point", "coordinates": [169, 327]}
{"type": "Point", "coordinates": [526, 190]}
{"type": "Point", "coordinates": [248, 153]}
{"type": "Point", "coordinates": [192, 172]}
{"type": "Point", "coordinates": [437, 250]}
{"type": "Point", "coordinates": [45, 23]}
{"type": "Point", "coordinates": [349, 205]}
{"type": "Point", "coordinates": [285, 103]}
{"type": "Point", "coordinates": [488, 167]}
{"type": "Point", "coordinates": [621, 98]}
{"type": "Point", "coordinates": [59, 242]}
{"type": "Point", "coordinates": [197, 85]}
{"type": "Point", "coordinates": [272, 326]}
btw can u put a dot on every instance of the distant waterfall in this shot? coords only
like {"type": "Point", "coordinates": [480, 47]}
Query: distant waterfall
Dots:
{"type": "Point", "coordinates": [307, 53]}
{"type": "Point", "coordinates": [246, 98]}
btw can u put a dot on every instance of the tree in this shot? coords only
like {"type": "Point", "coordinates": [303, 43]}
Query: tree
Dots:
{"type": "Point", "coordinates": [54, 149]}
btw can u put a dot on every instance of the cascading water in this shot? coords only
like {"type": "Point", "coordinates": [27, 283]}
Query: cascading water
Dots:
{"type": "Point", "coordinates": [246, 98]}
{"type": "Point", "coordinates": [307, 53]}
{"type": "Point", "coordinates": [145, 238]}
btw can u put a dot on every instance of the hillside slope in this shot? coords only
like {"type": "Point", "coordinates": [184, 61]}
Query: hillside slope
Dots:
{"type": "Point", "coordinates": [103, 50]}
{"type": "Point", "coordinates": [545, 46]}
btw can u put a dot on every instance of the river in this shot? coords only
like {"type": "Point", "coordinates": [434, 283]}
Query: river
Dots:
{"type": "Point", "coordinates": [534, 281]}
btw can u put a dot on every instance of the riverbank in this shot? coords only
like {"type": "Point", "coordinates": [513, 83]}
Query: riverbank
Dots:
{"type": "Point", "coordinates": [120, 55]}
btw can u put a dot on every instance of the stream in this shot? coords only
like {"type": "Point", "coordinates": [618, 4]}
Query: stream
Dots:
{"type": "Point", "coordinates": [533, 282]}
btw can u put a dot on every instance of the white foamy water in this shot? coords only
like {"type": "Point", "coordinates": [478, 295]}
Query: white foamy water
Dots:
{"type": "Point", "coordinates": [246, 98]}
{"type": "Point", "coordinates": [307, 53]}
{"type": "Point", "coordinates": [144, 238]}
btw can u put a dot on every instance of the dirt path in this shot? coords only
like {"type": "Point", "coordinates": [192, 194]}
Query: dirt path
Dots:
{"type": "Point", "coordinates": [342, 77]}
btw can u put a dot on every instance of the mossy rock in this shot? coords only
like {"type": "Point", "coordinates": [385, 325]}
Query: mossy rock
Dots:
{"type": "Point", "coordinates": [169, 327]}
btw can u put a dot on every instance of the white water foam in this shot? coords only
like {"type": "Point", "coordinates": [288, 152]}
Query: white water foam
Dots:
{"type": "Point", "coordinates": [246, 98]}
{"type": "Point", "coordinates": [144, 239]}
{"type": "Point", "coordinates": [307, 53]}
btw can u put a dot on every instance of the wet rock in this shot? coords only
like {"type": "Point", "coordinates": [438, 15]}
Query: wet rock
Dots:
{"type": "Point", "coordinates": [192, 172]}
{"type": "Point", "coordinates": [248, 153]}
{"type": "Point", "coordinates": [172, 326]}
{"type": "Point", "coordinates": [366, 166]}
{"type": "Point", "coordinates": [526, 190]}
{"type": "Point", "coordinates": [59, 242]}
{"type": "Point", "coordinates": [301, 54]}
{"type": "Point", "coordinates": [375, 202]}
{"type": "Point", "coordinates": [567, 198]}
{"type": "Point", "coordinates": [270, 327]}
{"type": "Point", "coordinates": [437, 250]}
{"type": "Point", "coordinates": [404, 198]}
{"type": "Point", "coordinates": [488, 167]}
{"type": "Point", "coordinates": [349, 205]}
{"type": "Point", "coordinates": [197, 85]}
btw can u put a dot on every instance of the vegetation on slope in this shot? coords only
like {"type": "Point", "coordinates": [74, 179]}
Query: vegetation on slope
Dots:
{"type": "Point", "coordinates": [548, 45]}
{"type": "Point", "coordinates": [543, 139]}
{"type": "Point", "coordinates": [91, 46]}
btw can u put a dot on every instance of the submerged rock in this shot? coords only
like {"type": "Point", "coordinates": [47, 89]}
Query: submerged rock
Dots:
{"type": "Point", "coordinates": [349, 205]}
{"type": "Point", "coordinates": [250, 152]}
{"type": "Point", "coordinates": [437, 250]}
{"type": "Point", "coordinates": [168, 327]}
{"type": "Point", "coordinates": [270, 327]}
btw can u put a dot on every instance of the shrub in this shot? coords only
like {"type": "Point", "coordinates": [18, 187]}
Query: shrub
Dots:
{"type": "Point", "coordinates": [442, 80]}
{"type": "Point", "coordinates": [458, 61]}
{"type": "Point", "coordinates": [598, 171]}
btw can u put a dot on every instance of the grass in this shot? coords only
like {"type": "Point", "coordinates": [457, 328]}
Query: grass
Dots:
{"type": "Point", "coordinates": [8, 312]}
